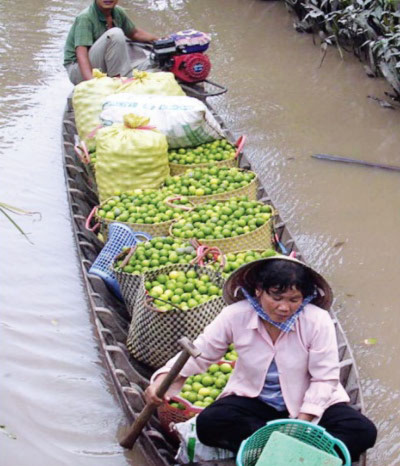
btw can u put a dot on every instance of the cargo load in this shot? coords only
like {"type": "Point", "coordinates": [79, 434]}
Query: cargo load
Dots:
{"type": "Point", "coordinates": [185, 121]}
{"type": "Point", "coordinates": [87, 101]}
{"type": "Point", "coordinates": [158, 83]}
{"type": "Point", "coordinates": [130, 155]}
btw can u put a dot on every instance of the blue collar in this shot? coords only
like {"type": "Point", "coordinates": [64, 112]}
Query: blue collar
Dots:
{"type": "Point", "coordinates": [286, 326]}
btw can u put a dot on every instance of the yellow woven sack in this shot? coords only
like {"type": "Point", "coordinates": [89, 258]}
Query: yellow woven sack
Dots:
{"type": "Point", "coordinates": [88, 101]}
{"type": "Point", "coordinates": [143, 82]}
{"type": "Point", "coordinates": [130, 156]}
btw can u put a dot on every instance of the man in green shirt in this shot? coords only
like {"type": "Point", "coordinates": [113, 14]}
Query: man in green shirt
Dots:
{"type": "Point", "coordinates": [97, 39]}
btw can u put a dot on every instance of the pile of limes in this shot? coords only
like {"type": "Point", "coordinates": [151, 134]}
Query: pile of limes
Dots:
{"type": "Point", "coordinates": [214, 151]}
{"type": "Point", "coordinates": [93, 159]}
{"type": "Point", "coordinates": [182, 290]}
{"type": "Point", "coordinates": [209, 180]}
{"type": "Point", "coordinates": [203, 389]}
{"type": "Point", "coordinates": [231, 354]}
{"type": "Point", "coordinates": [222, 219]}
{"type": "Point", "coordinates": [143, 207]}
{"type": "Point", "coordinates": [235, 260]}
{"type": "Point", "coordinates": [158, 252]}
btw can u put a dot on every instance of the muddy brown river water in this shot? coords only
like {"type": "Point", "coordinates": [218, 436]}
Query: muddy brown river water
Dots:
{"type": "Point", "coordinates": [57, 404]}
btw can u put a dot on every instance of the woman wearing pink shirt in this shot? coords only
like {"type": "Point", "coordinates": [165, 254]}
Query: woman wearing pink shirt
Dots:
{"type": "Point", "coordinates": [288, 363]}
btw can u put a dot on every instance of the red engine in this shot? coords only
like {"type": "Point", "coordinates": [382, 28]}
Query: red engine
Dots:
{"type": "Point", "coordinates": [192, 67]}
{"type": "Point", "coordinates": [182, 53]}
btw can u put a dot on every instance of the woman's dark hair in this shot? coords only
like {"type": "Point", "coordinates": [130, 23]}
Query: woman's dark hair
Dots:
{"type": "Point", "coordinates": [280, 275]}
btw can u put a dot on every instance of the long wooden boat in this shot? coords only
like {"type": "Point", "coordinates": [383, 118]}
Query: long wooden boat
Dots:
{"type": "Point", "coordinates": [130, 378]}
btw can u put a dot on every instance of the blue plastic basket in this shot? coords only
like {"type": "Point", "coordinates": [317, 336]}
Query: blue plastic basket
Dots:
{"type": "Point", "coordinates": [119, 236]}
{"type": "Point", "coordinates": [312, 434]}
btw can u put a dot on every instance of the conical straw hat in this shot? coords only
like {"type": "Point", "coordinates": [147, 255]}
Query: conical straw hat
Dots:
{"type": "Point", "coordinates": [243, 274]}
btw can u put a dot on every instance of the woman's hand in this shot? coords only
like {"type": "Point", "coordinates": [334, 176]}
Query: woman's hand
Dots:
{"type": "Point", "coordinates": [305, 417]}
{"type": "Point", "coordinates": [150, 393]}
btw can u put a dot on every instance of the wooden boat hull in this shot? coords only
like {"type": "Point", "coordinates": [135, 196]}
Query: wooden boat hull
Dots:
{"type": "Point", "coordinates": [110, 317]}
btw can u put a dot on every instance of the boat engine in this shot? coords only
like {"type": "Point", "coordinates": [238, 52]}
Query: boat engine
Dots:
{"type": "Point", "coordinates": [183, 54]}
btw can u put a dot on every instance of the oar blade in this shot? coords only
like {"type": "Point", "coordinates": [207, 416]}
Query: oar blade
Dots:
{"type": "Point", "coordinates": [338, 158]}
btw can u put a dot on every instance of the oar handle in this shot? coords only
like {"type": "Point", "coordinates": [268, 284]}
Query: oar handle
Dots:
{"type": "Point", "coordinates": [136, 428]}
{"type": "Point", "coordinates": [338, 158]}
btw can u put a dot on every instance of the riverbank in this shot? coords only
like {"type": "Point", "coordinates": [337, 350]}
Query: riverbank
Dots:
{"type": "Point", "coordinates": [370, 30]}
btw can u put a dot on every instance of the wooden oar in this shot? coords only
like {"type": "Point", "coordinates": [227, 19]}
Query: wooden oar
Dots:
{"type": "Point", "coordinates": [136, 428]}
{"type": "Point", "coordinates": [337, 158]}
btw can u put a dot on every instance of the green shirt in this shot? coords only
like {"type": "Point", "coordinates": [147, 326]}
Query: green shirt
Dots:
{"type": "Point", "coordinates": [89, 25]}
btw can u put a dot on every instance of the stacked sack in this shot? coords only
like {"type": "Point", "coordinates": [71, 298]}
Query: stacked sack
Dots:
{"type": "Point", "coordinates": [131, 155]}
{"type": "Point", "coordinates": [88, 100]}
{"type": "Point", "coordinates": [143, 82]}
{"type": "Point", "coordinates": [90, 95]}
{"type": "Point", "coordinates": [185, 121]}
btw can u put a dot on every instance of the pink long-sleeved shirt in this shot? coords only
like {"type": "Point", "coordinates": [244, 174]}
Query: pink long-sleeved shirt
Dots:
{"type": "Point", "coordinates": [306, 357]}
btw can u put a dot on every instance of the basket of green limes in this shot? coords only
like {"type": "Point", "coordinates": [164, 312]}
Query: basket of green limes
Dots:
{"type": "Point", "coordinates": [207, 183]}
{"type": "Point", "coordinates": [219, 153]}
{"type": "Point", "coordinates": [172, 302]}
{"type": "Point", "coordinates": [231, 225]}
{"type": "Point", "coordinates": [198, 392]}
{"type": "Point", "coordinates": [236, 259]}
{"type": "Point", "coordinates": [150, 211]}
{"type": "Point", "coordinates": [149, 256]}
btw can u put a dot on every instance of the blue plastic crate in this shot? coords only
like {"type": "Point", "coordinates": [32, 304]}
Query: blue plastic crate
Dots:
{"type": "Point", "coordinates": [119, 236]}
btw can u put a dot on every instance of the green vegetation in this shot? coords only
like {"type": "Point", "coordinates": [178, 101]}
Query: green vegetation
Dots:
{"type": "Point", "coordinates": [368, 28]}
{"type": "Point", "coordinates": [5, 208]}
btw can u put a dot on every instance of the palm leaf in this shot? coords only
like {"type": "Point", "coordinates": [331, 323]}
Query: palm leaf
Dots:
{"type": "Point", "coordinates": [15, 210]}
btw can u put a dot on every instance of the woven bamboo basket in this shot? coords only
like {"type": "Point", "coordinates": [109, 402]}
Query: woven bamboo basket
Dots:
{"type": "Point", "coordinates": [249, 190]}
{"type": "Point", "coordinates": [153, 229]}
{"type": "Point", "coordinates": [153, 334]}
{"type": "Point", "coordinates": [243, 252]}
{"type": "Point", "coordinates": [129, 282]}
{"type": "Point", "coordinates": [168, 415]}
{"type": "Point", "coordinates": [260, 238]}
{"type": "Point", "coordinates": [178, 169]}
{"type": "Point", "coordinates": [225, 275]}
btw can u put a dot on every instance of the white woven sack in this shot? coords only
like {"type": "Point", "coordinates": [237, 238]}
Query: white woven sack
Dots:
{"type": "Point", "coordinates": [185, 121]}
{"type": "Point", "coordinates": [191, 449]}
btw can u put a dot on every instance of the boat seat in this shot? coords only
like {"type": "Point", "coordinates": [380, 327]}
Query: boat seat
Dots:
{"type": "Point", "coordinates": [345, 369]}
{"type": "Point", "coordinates": [69, 127]}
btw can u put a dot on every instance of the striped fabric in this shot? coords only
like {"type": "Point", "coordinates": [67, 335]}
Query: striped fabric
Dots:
{"type": "Point", "coordinates": [271, 392]}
